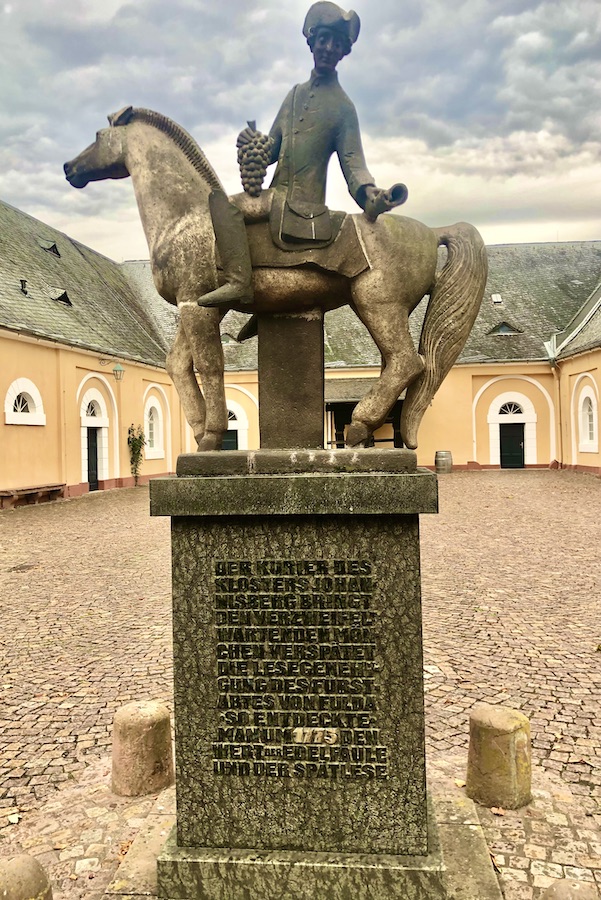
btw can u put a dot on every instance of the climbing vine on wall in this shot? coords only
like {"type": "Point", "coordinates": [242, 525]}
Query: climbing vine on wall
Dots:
{"type": "Point", "coordinates": [136, 442]}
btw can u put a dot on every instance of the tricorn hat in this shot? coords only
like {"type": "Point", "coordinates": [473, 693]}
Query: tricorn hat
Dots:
{"type": "Point", "coordinates": [328, 15]}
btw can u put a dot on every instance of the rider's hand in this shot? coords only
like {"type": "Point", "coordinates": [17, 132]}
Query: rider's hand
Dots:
{"type": "Point", "coordinates": [371, 192]}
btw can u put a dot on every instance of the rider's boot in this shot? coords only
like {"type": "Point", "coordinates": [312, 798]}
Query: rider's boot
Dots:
{"type": "Point", "coordinates": [232, 243]}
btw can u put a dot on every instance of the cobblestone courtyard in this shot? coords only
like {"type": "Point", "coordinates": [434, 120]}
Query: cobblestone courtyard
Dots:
{"type": "Point", "coordinates": [512, 615]}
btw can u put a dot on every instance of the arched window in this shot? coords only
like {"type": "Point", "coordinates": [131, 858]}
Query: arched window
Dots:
{"type": "Point", "coordinates": [23, 404]}
{"type": "Point", "coordinates": [511, 409]}
{"type": "Point", "coordinates": [151, 424]}
{"type": "Point", "coordinates": [93, 409]}
{"type": "Point", "coordinates": [588, 419]}
{"type": "Point", "coordinates": [153, 429]}
{"type": "Point", "coordinates": [588, 441]}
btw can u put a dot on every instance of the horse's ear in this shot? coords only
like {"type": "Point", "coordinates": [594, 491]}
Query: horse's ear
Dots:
{"type": "Point", "coordinates": [123, 117]}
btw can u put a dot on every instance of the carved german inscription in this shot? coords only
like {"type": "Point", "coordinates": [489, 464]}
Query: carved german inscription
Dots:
{"type": "Point", "coordinates": [296, 670]}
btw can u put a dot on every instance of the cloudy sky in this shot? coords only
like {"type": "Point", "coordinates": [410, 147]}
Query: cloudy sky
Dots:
{"type": "Point", "coordinates": [489, 110]}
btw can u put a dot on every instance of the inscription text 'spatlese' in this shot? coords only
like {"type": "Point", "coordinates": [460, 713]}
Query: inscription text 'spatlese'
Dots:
{"type": "Point", "coordinates": [296, 670]}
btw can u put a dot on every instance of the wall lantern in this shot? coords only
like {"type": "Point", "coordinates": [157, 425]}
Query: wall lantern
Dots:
{"type": "Point", "coordinates": [118, 372]}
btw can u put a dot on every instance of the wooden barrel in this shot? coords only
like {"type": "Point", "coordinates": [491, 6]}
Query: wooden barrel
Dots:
{"type": "Point", "coordinates": [443, 462]}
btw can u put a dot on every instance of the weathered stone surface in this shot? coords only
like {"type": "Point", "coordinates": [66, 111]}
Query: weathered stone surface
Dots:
{"type": "Point", "coordinates": [469, 874]}
{"type": "Point", "coordinates": [213, 462]}
{"type": "Point", "coordinates": [291, 361]}
{"type": "Point", "coordinates": [286, 495]}
{"type": "Point", "coordinates": [188, 873]}
{"type": "Point", "coordinates": [23, 878]}
{"type": "Point", "coordinates": [571, 890]}
{"type": "Point", "coordinates": [499, 761]}
{"type": "Point", "coordinates": [142, 751]}
{"type": "Point", "coordinates": [469, 871]}
{"type": "Point", "coordinates": [137, 873]}
{"type": "Point", "coordinates": [286, 462]}
{"type": "Point", "coordinates": [378, 807]}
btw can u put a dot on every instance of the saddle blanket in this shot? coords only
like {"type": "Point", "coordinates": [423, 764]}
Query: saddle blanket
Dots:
{"type": "Point", "coordinates": [345, 255]}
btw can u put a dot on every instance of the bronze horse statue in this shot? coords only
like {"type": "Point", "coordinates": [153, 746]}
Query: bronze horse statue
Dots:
{"type": "Point", "coordinates": [172, 180]}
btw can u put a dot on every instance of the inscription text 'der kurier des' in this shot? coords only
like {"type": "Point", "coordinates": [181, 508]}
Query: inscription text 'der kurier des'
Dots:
{"type": "Point", "coordinates": [296, 670]}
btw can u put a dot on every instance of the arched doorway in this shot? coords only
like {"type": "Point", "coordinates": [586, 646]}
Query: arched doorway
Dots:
{"type": "Point", "coordinates": [92, 412]}
{"type": "Point", "coordinates": [512, 427]}
{"type": "Point", "coordinates": [511, 437]}
{"type": "Point", "coordinates": [94, 438]}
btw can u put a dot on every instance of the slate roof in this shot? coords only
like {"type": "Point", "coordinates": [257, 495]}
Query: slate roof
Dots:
{"type": "Point", "coordinates": [587, 339]}
{"type": "Point", "coordinates": [100, 310]}
{"type": "Point", "coordinates": [542, 287]}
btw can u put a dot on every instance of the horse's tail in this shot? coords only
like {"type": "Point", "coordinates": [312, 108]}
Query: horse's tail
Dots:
{"type": "Point", "coordinates": [452, 309]}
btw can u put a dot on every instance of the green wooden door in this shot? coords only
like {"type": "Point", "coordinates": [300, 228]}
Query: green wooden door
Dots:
{"type": "Point", "coordinates": [512, 445]}
{"type": "Point", "coordinates": [92, 459]}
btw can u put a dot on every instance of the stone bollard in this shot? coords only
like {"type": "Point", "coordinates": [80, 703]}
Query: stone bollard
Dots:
{"type": "Point", "coordinates": [571, 890]}
{"type": "Point", "coordinates": [499, 765]}
{"type": "Point", "coordinates": [142, 752]}
{"type": "Point", "coordinates": [23, 878]}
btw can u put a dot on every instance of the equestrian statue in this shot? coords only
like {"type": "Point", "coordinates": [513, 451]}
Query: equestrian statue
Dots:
{"type": "Point", "coordinates": [282, 250]}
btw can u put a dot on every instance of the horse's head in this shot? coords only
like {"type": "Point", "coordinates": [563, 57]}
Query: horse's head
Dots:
{"type": "Point", "coordinates": [105, 158]}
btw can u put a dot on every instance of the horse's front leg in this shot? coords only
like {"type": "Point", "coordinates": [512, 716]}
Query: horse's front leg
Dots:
{"type": "Point", "coordinates": [180, 368]}
{"type": "Point", "coordinates": [201, 327]}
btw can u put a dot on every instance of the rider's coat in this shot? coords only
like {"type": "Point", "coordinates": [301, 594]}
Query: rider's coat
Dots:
{"type": "Point", "coordinates": [316, 120]}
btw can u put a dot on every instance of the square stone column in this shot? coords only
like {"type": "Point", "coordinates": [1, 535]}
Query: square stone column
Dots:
{"type": "Point", "coordinates": [291, 380]}
{"type": "Point", "coordinates": [299, 706]}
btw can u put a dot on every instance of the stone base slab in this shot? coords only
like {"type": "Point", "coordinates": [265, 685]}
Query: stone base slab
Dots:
{"type": "Point", "coordinates": [468, 871]}
{"type": "Point", "coordinates": [186, 873]}
{"type": "Point", "coordinates": [286, 462]}
{"type": "Point", "coordinates": [296, 493]}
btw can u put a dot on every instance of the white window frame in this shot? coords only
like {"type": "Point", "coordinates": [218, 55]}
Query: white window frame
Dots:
{"type": "Point", "coordinates": [585, 444]}
{"type": "Point", "coordinates": [158, 451]}
{"type": "Point", "coordinates": [36, 414]}
{"type": "Point", "coordinates": [495, 419]}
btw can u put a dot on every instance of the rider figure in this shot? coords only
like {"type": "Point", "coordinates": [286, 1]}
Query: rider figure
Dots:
{"type": "Point", "coordinates": [315, 120]}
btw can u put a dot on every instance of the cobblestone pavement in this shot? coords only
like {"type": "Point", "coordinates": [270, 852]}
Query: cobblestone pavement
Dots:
{"type": "Point", "coordinates": [512, 613]}
{"type": "Point", "coordinates": [511, 584]}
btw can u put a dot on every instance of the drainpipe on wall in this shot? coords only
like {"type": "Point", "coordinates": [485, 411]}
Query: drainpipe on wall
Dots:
{"type": "Point", "coordinates": [556, 369]}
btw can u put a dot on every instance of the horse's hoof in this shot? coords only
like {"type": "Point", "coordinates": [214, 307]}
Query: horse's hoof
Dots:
{"type": "Point", "coordinates": [211, 440]}
{"type": "Point", "coordinates": [357, 434]}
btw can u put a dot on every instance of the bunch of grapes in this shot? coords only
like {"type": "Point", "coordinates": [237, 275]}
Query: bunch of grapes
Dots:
{"type": "Point", "coordinates": [254, 155]}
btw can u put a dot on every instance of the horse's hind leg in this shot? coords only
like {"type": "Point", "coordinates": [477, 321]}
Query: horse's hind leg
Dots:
{"type": "Point", "coordinates": [385, 313]}
{"type": "Point", "coordinates": [180, 368]}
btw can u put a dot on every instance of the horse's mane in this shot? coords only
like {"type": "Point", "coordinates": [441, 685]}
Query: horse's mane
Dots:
{"type": "Point", "coordinates": [181, 139]}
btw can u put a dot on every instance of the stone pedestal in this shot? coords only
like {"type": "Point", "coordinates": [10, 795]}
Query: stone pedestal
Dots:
{"type": "Point", "coordinates": [298, 677]}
